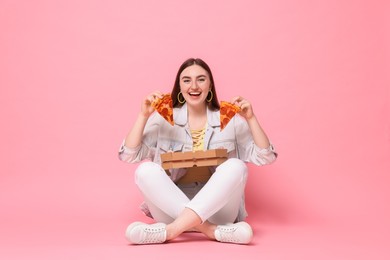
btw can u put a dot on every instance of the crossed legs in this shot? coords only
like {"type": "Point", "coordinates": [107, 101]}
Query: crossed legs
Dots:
{"type": "Point", "coordinates": [217, 203]}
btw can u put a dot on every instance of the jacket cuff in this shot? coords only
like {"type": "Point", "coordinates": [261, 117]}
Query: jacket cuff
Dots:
{"type": "Point", "coordinates": [267, 150]}
{"type": "Point", "coordinates": [266, 155]}
{"type": "Point", "coordinates": [126, 150]}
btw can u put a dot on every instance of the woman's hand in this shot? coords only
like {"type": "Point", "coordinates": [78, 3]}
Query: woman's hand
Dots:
{"type": "Point", "coordinates": [146, 108]}
{"type": "Point", "coordinates": [134, 137]}
{"type": "Point", "coordinates": [246, 107]}
{"type": "Point", "coordinates": [259, 136]}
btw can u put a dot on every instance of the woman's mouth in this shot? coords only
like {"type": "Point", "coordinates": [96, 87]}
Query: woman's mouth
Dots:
{"type": "Point", "coordinates": [194, 94]}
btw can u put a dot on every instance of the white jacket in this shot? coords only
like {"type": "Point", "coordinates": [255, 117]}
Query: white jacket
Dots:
{"type": "Point", "coordinates": [160, 137]}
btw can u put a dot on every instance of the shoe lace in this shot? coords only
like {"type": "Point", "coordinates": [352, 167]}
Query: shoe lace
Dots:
{"type": "Point", "coordinates": [227, 234]}
{"type": "Point", "coordinates": [154, 234]}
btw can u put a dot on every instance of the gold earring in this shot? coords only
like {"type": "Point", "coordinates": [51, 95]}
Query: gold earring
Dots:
{"type": "Point", "coordinates": [211, 98]}
{"type": "Point", "coordinates": [178, 98]}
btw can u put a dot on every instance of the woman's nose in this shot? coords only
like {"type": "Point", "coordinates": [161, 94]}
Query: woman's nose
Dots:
{"type": "Point", "coordinates": [194, 85]}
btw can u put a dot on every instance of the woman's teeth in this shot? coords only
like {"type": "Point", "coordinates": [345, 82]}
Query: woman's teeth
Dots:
{"type": "Point", "coordinates": [194, 93]}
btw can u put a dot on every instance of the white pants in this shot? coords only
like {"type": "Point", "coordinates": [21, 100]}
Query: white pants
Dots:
{"type": "Point", "coordinates": [217, 201]}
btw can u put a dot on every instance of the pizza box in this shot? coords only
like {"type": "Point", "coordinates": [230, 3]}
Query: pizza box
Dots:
{"type": "Point", "coordinates": [172, 160]}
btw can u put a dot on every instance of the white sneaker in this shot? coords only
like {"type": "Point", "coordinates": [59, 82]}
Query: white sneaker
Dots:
{"type": "Point", "coordinates": [141, 233]}
{"type": "Point", "coordinates": [238, 233]}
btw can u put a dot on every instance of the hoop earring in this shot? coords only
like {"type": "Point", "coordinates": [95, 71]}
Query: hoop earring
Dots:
{"type": "Point", "coordinates": [211, 98]}
{"type": "Point", "coordinates": [178, 98]}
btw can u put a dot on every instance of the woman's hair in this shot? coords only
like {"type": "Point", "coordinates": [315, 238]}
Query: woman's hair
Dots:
{"type": "Point", "coordinates": [213, 104]}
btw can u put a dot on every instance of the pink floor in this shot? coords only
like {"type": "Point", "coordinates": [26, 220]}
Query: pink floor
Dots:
{"type": "Point", "coordinates": [104, 241]}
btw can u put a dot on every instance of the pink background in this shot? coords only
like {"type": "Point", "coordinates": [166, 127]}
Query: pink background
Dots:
{"type": "Point", "coordinates": [72, 76]}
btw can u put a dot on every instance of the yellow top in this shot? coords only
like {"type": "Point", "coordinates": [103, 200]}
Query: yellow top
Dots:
{"type": "Point", "coordinates": [198, 139]}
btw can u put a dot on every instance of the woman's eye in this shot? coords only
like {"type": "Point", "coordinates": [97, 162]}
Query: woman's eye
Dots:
{"type": "Point", "coordinates": [202, 79]}
{"type": "Point", "coordinates": [186, 81]}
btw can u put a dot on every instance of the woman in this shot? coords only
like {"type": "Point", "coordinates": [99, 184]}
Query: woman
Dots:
{"type": "Point", "coordinates": [215, 207]}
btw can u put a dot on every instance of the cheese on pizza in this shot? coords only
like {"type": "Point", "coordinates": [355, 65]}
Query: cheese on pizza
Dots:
{"type": "Point", "coordinates": [164, 106]}
{"type": "Point", "coordinates": [227, 112]}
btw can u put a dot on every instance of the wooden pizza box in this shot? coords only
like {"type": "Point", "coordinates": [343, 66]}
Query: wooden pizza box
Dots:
{"type": "Point", "coordinates": [172, 160]}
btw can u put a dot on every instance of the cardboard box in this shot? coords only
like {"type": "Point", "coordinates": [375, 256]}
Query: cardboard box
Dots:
{"type": "Point", "coordinates": [172, 160]}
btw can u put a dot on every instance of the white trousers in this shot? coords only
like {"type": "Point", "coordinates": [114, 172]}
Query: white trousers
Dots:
{"type": "Point", "coordinates": [217, 201]}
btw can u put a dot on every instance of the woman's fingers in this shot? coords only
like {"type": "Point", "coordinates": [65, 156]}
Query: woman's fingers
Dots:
{"type": "Point", "coordinates": [241, 102]}
{"type": "Point", "coordinates": [236, 100]}
{"type": "Point", "coordinates": [153, 96]}
{"type": "Point", "coordinates": [244, 105]}
{"type": "Point", "coordinates": [147, 107]}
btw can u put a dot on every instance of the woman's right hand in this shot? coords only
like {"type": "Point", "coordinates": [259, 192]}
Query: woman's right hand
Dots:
{"type": "Point", "coordinates": [134, 137]}
{"type": "Point", "coordinates": [147, 109]}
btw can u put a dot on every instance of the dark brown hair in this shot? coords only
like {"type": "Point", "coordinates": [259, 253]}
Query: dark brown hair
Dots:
{"type": "Point", "coordinates": [213, 104]}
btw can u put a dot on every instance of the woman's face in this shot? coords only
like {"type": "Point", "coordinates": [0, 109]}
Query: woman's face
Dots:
{"type": "Point", "coordinates": [194, 84]}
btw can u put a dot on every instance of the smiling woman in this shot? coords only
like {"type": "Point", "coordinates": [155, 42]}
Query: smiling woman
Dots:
{"type": "Point", "coordinates": [195, 84]}
{"type": "Point", "coordinates": [216, 206]}
{"type": "Point", "coordinates": [194, 75]}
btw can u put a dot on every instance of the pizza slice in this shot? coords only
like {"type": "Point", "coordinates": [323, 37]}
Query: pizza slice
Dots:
{"type": "Point", "coordinates": [227, 112]}
{"type": "Point", "coordinates": [164, 106]}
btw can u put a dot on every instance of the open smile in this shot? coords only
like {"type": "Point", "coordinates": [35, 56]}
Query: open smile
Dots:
{"type": "Point", "coordinates": [194, 94]}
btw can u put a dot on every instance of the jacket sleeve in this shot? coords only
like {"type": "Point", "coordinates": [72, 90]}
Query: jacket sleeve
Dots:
{"type": "Point", "coordinates": [247, 150]}
{"type": "Point", "coordinates": [147, 148]}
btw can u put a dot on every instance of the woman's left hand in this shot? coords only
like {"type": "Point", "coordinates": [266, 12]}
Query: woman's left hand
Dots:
{"type": "Point", "coordinates": [245, 105]}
